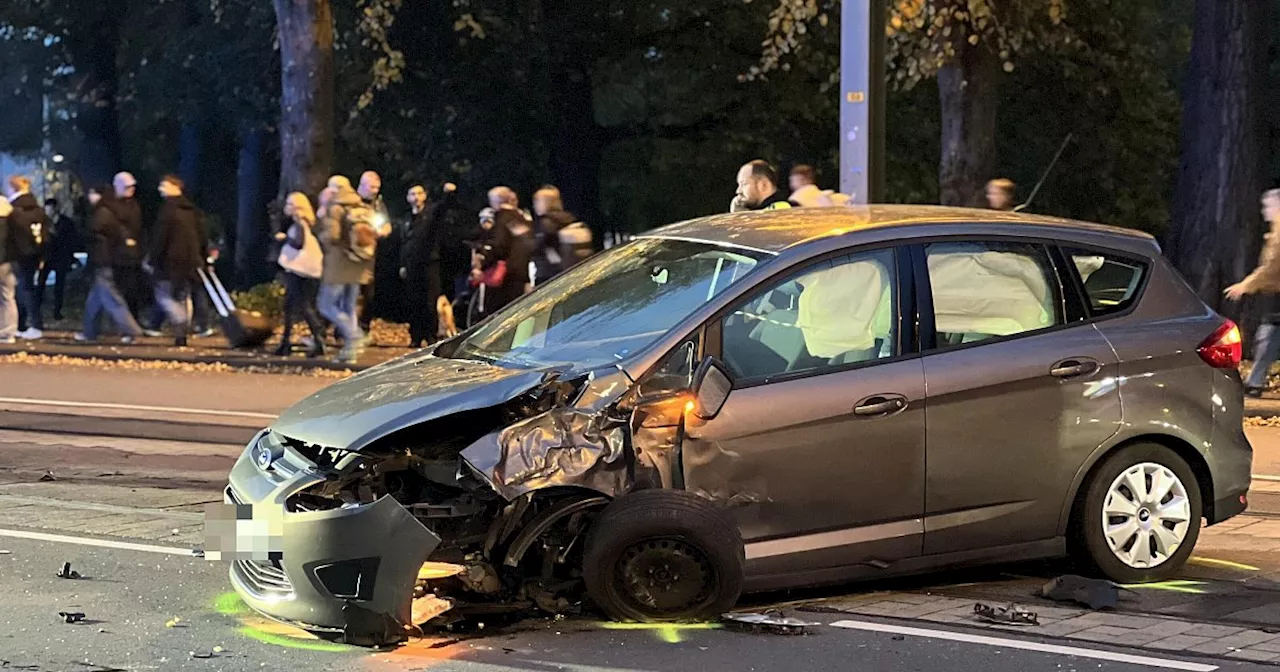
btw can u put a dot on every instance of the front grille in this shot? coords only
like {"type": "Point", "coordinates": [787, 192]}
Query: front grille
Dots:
{"type": "Point", "coordinates": [266, 579]}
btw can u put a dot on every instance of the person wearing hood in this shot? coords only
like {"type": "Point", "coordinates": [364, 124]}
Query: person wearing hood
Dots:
{"type": "Point", "coordinates": [106, 240]}
{"type": "Point", "coordinates": [348, 235]}
{"type": "Point", "coordinates": [128, 273]}
{"type": "Point", "coordinates": [177, 254]}
{"type": "Point", "coordinates": [420, 267]}
{"type": "Point", "coordinates": [28, 225]}
{"type": "Point", "coordinates": [8, 277]}
{"type": "Point", "coordinates": [562, 239]}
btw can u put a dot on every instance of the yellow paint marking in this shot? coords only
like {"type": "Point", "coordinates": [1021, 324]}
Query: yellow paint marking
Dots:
{"type": "Point", "coordinates": [1172, 586]}
{"type": "Point", "coordinates": [667, 632]}
{"type": "Point", "coordinates": [1214, 562]}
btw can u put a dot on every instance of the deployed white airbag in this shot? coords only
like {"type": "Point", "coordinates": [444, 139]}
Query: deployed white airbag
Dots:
{"type": "Point", "coordinates": [990, 293]}
{"type": "Point", "coordinates": [845, 308]}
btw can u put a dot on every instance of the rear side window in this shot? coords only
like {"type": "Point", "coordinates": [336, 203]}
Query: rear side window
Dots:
{"type": "Point", "coordinates": [985, 290]}
{"type": "Point", "coordinates": [1111, 283]}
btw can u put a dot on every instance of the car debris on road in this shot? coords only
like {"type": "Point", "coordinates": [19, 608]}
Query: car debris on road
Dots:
{"type": "Point", "coordinates": [71, 616]}
{"type": "Point", "coordinates": [772, 621]}
{"type": "Point", "coordinates": [1010, 615]}
{"type": "Point", "coordinates": [1093, 593]}
{"type": "Point", "coordinates": [67, 573]}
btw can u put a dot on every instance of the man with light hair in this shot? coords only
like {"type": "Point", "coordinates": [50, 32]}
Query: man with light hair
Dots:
{"type": "Point", "coordinates": [1001, 194]}
{"type": "Point", "coordinates": [370, 191]}
{"type": "Point", "coordinates": [8, 278]}
{"type": "Point", "coordinates": [1264, 279]}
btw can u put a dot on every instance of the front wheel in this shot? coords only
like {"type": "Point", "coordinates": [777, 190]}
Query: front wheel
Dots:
{"type": "Point", "coordinates": [665, 556]}
{"type": "Point", "coordinates": [1141, 515]}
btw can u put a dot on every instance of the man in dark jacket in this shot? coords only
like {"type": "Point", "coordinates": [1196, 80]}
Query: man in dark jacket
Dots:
{"type": "Point", "coordinates": [420, 268]}
{"type": "Point", "coordinates": [177, 254]}
{"type": "Point", "coordinates": [106, 239]}
{"type": "Point", "coordinates": [28, 226]}
{"type": "Point", "coordinates": [59, 256]}
{"type": "Point", "coordinates": [758, 188]}
{"type": "Point", "coordinates": [129, 276]}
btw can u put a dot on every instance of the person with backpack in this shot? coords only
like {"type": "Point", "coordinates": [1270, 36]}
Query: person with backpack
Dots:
{"type": "Point", "coordinates": [8, 278]}
{"type": "Point", "coordinates": [178, 252]}
{"type": "Point", "coordinates": [563, 240]}
{"type": "Point", "coordinates": [28, 227]}
{"type": "Point", "coordinates": [107, 235]}
{"type": "Point", "coordinates": [302, 264]}
{"type": "Point", "coordinates": [348, 236]}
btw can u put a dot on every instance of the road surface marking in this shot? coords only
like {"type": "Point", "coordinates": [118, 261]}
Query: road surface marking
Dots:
{"type": "Point", "coordinates": [1214, 562]}
{"type": "Point", "coordinates": [104, 508]}
{"type": "Point", "coordinates": [100, 543]}
{"type": "Point", "coordinates": [133, 407]}
{"type": "Point", "coordinates": [1027, 646]}
{"type": "Point", "coordinates": [1266, 477]}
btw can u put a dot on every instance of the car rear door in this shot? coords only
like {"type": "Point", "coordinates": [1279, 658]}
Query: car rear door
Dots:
{"type": "Point", "coordinates": [819, 449]}
{"type": "Point", "coordinates": [1021, 390]}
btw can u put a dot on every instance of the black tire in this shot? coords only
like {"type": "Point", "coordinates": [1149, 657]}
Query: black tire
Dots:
{"type": "Point", "coordinates": [690, 552]}
{"type": "Point", "coordinates": [1094, 547]}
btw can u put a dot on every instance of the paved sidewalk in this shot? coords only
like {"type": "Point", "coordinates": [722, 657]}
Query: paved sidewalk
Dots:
{"type": "Point", "coordinates": [212, 350]}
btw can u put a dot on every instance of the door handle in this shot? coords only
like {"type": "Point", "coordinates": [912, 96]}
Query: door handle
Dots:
{"type": "Point", "coordinates": [1072, 368]}
{"type": "Point", "coordinates": [880, 404]}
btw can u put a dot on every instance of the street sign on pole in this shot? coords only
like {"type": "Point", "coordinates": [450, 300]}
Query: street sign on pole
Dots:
{"type": "Point", "coordinates": [862, 88]}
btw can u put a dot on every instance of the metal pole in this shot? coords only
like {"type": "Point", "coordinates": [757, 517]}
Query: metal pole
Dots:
{"type": "Point", "coordinates": [862, 45]}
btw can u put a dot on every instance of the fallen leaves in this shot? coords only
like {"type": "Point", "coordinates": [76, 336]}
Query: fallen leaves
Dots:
{"type": "Point", "coordinates": [26, 358]}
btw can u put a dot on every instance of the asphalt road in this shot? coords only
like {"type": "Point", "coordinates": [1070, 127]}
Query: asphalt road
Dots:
{"type": "Point", "coordinates": [135, 455]}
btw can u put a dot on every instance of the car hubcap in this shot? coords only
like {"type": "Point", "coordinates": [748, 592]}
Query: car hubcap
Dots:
{"type": "Point", "coordinates": [1146, 515]}
{"type": "Point", "coordinates": [665, 576]}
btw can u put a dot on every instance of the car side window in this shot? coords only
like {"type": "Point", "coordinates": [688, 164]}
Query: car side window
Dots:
{"type": "Point", "coordinates": [985, 290]}
{"type": "Point", "coordinates": [833, 314]}
{"type": "Point", "coordinates": [1111, 282]}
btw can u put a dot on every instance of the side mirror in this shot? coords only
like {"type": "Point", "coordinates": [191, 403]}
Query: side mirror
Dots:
{"type": "Point", "coordinates": [711, 387]}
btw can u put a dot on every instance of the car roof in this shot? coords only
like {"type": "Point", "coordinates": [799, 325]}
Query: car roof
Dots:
{"type": "Point", "coordinates": [776, 231]}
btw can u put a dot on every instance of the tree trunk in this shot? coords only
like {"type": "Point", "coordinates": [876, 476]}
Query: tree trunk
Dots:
{"type": "Point", "coordinates": [307, 94]}
{"type": "Point", "coordinates": [1216, 231]}
{"type": "Point", "coordinates": [190, 156]}
{"type": "Point", "coordinates": [252, 235]}
{"type": "Point", "coordinates": [94, 57]}
{"type": "Point", "coordinates": [576, 149]}
{"type": "Point", "coordinates": [968, 96]}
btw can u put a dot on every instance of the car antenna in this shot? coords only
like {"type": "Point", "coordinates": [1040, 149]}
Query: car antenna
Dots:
{"type": "Point", "coordinates": [1044, 177]}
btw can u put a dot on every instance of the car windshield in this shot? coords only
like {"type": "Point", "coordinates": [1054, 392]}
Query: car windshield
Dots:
{"type": "Point", "coordinates": [611, 306]}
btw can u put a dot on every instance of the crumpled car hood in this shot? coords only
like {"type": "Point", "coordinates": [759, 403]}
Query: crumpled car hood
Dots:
{"type": "Point", "coordinates": [399, 394]}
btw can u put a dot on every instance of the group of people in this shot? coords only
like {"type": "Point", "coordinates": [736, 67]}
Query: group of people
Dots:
{"type": "Point", "coordinates": [329, 257]}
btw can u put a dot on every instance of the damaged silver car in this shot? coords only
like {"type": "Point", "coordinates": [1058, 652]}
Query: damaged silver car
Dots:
{"type": "Point", "coordinates": [738, 403]}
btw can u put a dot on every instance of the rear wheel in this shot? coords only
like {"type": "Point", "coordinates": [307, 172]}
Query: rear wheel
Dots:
{"type": "Point", "coordinates": [663, 555]}
{"type": "Point", "coordinates": [1141, 515]}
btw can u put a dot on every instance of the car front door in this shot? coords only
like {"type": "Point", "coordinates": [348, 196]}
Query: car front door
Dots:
{"type": "Point", "coordinates": [1021, 390]}
{"type": "Point", "coordinates": [819, 449]}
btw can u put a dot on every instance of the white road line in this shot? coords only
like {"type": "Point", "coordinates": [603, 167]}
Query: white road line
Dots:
{"type": "Point", "coordinates": [100, 543]}
{"type": "Point", "coordinates": [133, 407]}
{"type": "Point", "coordinates": [191, 516]}
{"type": "Point", "coordinates": [1095, 654]}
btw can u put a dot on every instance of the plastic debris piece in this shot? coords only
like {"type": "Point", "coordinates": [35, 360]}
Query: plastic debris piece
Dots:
{"type": "Point", "coordinates": [48, 476]}
{"type": "Point", "coordinates": [67, 573]}
{"type": "Point", "coordinates": [772, 621]}
{"type": "Point", "coordinates": [1010, 615]}
{"type": "Point", "coordinates": [175, 622]}
{"type": "Point", "coordinates": [1092, 593]}
{"type": "Point", "coordinates": [6, 552]}
{"type": "Point", "coordinates": [217, 649]}
{"type": "Point", "coordinates": [71, 616]}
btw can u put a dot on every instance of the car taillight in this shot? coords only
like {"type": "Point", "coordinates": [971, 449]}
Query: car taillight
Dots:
{"type": "Point", "coordinates": [1223, 350]}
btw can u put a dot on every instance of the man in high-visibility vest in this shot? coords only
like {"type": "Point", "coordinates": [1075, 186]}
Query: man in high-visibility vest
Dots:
{"type": "Point", "coordinates": [758, 189]}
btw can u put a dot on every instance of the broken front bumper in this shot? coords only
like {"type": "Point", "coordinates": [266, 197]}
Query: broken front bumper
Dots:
{"type": "Point", "coordinates": [350, 570]}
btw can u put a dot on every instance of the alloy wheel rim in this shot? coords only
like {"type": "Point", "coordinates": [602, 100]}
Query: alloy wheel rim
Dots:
{"type": "Point", "coordinates": [1146, 515]}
